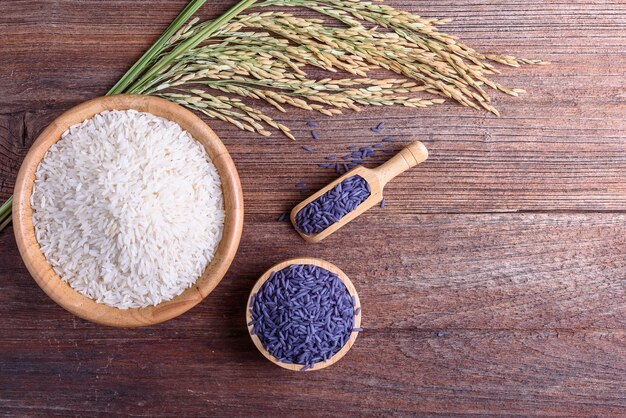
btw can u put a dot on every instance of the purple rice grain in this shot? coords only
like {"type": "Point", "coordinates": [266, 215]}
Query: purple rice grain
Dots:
{"type": "Point", "coordinates": [284, 217]}
{"type": "Point", "coordinates": [382, 203]}
{"type": "Point", "coordinates": [353, 147]}
{"type": "Point", "coordinates": [388, 139]}
{"type": "Point", "coordinates": [333, 205]}
{"type": "Point", "coordinates": [311, 124]}
{"type": "Point", "coordinates": [377, 146]}
{"type": "Point", "coordinates": [331, 157]}
{"type": "Point", "coordinates": [314, 135]}
{"type": "Point", "coordinates": [307, 148]}
{"type": "Point", "coordinates": [378, 127]}
{"type": "Point", "coordinates": [300, 185]}
{"type": "Point", "coordinates": [303, 314]}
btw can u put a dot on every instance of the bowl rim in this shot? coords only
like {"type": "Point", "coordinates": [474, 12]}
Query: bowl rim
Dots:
{"type": "Point", "coordinates": [351, 290]}
{"type": "Point", "coordinates": [61, 292]}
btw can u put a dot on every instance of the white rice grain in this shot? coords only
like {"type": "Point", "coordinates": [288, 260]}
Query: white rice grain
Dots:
{"type": "Point", "coordinates": [128, 208]}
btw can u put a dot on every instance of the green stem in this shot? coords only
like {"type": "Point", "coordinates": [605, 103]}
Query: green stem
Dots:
{"type": "Point", "coordinates": [5, 213]}
{"type": "Point", "coordinates": [140, 66]}
{"type": "Point", "coordinates": [190, 43]}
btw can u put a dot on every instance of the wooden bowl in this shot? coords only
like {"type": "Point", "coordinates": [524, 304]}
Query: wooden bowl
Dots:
{"type": "Point", "coordinates": [83, 306]}
{"type": "Point", "coordinates": [325, 265]}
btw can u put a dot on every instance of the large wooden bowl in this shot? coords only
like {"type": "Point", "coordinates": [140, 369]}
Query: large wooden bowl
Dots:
{"type": "Point", "coordinates": [60, 291]}
{"type": "Point", "coordinates": [351, 290]}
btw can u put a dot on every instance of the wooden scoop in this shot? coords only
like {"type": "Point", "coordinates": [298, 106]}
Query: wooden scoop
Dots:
{"type": "Point", "coordinates": [377, 178]}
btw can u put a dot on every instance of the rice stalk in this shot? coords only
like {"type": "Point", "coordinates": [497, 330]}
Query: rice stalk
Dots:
{"type": "Point", "coordinates": [255, 54]}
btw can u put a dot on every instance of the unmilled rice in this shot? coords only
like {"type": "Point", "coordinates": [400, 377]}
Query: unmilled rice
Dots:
{"type": "Point", "coordinates": [128, 208]}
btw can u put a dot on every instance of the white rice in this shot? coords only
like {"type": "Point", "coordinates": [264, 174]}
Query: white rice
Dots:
{"type": "Point", "coordinates": [128, 208]}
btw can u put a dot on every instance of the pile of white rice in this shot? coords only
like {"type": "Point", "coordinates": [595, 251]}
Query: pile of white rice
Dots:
{"type": "Point", "coordinates": [128, 208]}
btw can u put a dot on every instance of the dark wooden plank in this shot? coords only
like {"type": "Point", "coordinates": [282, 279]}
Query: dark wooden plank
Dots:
{"type": "Point", "coordinates": [463, 314]}
{"type": "Point", "coordinates": [577, 164]}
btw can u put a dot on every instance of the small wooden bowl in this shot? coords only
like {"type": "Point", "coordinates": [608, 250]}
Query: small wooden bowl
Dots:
{"type": "Point", "coordinates": [325, 265]}
{"type": "Point", "coordinates": [81, 305]}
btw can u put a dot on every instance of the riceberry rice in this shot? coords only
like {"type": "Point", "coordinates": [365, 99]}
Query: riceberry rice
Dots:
{"type": "Point", "coordinates": [311, 124]}
{"type": "Point", "coordinates": [333, 205]}
{"type": "Point", "coordinates": [314, 135]}
{"type": "Point", "coordinates": [284, 217]}
{"type": "Point", "coordinates": [388, 139]}
{"type": "Point", "coordinates": [382, 203]}
{"type": "Point", "coordinates": [378, 127]}
{"type": "Point", "coordinates": [307, 148]}
{"type": "Point", "coordinates": [303, 314]}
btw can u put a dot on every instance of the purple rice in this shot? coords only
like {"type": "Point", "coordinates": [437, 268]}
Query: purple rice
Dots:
{"type": "Point", "coordinates": [307, 148]}
{"type": "Point", "coordinates": [311, 124]}
{"type": "Point", "coordinates": [303, 314]}
{"type": "Point", "coordinates": [378, 127]}
{"type": "Point", "coordinates": [333, 205]}
{"type": "Point", "coordinates": [388, 139]}
{"type": "Point", "coordinates": [300, 185]}
{"type": "Point", "coordinates": [382, 203]}
{"type": "Point", "coordinates": [314, 135]}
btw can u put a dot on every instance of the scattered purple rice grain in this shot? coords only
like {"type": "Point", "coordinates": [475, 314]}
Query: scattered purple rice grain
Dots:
{"type": "Point", "coordinates": [382, 203]}
{"type": "Point", "coordinates": [388, 139]}
{"type": "Point", "coordinates": [378, 127]}
{"type": "Point", "coordinates": [358, 311]}
{"type": "Point", "coordinates": [327, 165]}
{"type": "Point", "coordinates": [333, 205]}
{"type": "Point", "coordinates": [346, 157]}
{"type": "Point", "coordinates": [356, 155]}
{"type": "Point", "coordinates": [300, 185]}
{"type": "Point", "coordinates": [441, 334]}
{"type": "Point", "coordinates": [358, 161]}
{"type": "Point", "coordinates": [353, 147]}
{"type": "Point", "coordinates": [388, 151]}
{"type": "Point", "coordinates": [331, 157]}
{"type": "Point", "coordinates": [303, 314]}
{"type": "Point", "coordinates": [311, 124]}
{"type": "Point", "coordinates": [314, 135]}
{"type": "Point", "coordinates": [346, 167]}
{"type": "Point", "coordinates": [284, 217]}
{"type": "Point", "coordinates": [307, 148]}
{"type": "Point", "coordinates": [377, 146]}
{"type": "Point", "coordinates": [337, 169]}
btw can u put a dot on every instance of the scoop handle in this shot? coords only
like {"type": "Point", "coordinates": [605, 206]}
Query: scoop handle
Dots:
{"type": "Point", "coordinates": [408, 157]}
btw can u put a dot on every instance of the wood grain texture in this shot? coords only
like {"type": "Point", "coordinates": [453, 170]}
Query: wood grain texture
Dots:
{"type": "Point", "coordinates": [492, 283]}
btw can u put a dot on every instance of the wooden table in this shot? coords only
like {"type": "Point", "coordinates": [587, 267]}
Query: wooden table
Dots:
{"type": "Point", "coordinates": [494, 280]}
